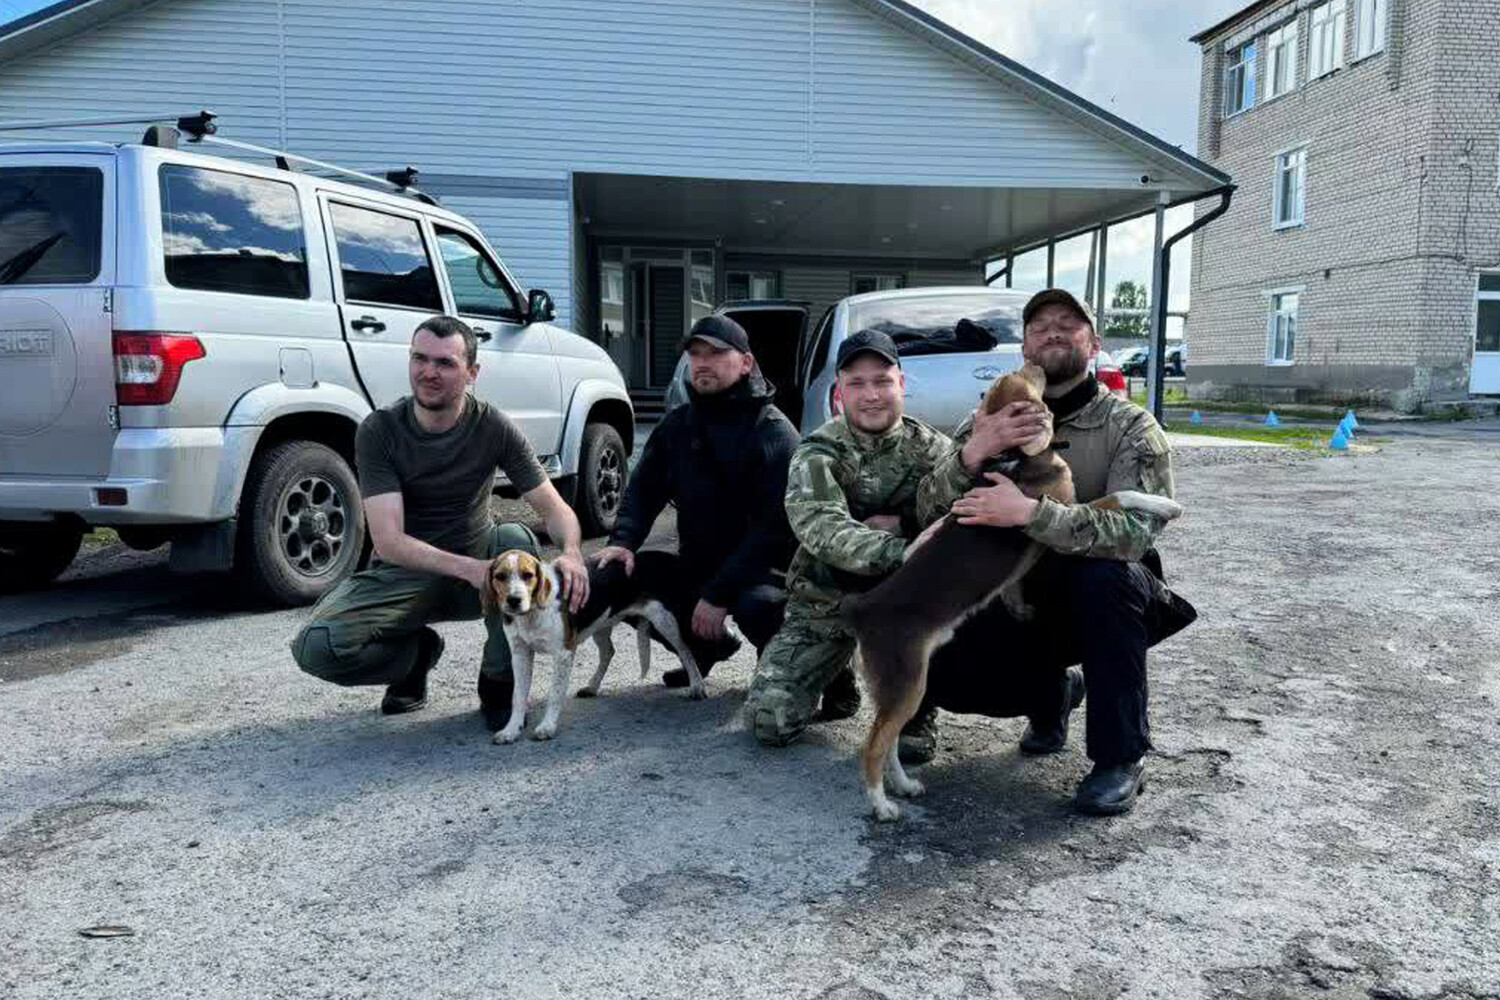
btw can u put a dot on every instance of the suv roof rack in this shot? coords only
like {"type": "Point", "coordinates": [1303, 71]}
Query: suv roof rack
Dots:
{"type": "Point", "coordinates": [202, 127]}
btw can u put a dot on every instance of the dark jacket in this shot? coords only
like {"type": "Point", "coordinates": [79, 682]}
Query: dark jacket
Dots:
{"type": "Point", "coordinates": [722, 460]}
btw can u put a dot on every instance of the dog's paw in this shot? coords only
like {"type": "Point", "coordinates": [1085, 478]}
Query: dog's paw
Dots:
{"type": "Point", "coordinates": [545, 731]}
{"type": "Point", "coordinates": [911, 788]}
{"type": "Point", "coordinates": [697, 692]}
{"type": "Point", "coordinates": [887, 811]}
{"type": "Point", "coordinates": [587, 692]}
{"type": "Point", "coordinates": [508, 735]}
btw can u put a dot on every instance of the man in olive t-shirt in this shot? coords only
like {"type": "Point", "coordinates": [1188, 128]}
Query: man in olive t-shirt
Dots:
{"type": "Point", "coordinates": [426, 468]}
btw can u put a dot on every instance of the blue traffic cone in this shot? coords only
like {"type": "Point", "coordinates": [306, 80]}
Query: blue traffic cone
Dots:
{"type": "Point", "coordinates": [1349, 419]}
{"type": "Point", "coordinates": [1272, 420]}
{"type": "Point", "coordinates": [1196, 418]}
{"type": "Point", "coordinates": [1347, 428]}
{"type": "Point", "coordinates": [1339, 442]}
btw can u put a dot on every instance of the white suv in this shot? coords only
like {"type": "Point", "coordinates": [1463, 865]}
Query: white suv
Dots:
{"type": "Point", "coordinates": [187, 343]}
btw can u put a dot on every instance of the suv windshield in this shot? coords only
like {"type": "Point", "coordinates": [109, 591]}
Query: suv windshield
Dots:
{"type": "Point", "coordinates": [51, 220]}
{"type": "Point", "coordinates": [939, 323]}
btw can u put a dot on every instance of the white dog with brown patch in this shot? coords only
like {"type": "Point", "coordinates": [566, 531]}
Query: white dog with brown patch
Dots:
{"type": "Point", "coordinates": [526, 592]}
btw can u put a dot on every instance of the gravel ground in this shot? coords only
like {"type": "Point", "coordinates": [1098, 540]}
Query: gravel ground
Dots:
{"type": "Point", "coordinates": [1321, 819]}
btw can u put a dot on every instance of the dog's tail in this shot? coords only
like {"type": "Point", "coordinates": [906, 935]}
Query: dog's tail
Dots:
{"type": "Point", "coordinates": [1162, 507]}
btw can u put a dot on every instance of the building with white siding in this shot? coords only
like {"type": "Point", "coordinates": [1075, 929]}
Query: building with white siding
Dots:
{"type": "Point", "coordinates": [641, 159]}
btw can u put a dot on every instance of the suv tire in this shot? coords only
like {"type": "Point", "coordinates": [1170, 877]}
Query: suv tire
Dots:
{"type": "Point", "coordinates": [302, 526]}
{"type": "Point", "coordinates": [36, 555]}
{"type": "Point", "coordinates": [602, 470]}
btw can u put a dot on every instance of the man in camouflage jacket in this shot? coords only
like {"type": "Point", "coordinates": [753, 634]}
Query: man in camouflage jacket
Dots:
{"type": "Point", "coordinates": [1096, 602]}
{"type": "Point", "coordinates": [855, 498]}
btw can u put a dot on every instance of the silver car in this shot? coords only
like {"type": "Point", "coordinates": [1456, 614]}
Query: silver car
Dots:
{"type": "Point", "coordinates": [188, 342]}
{"type": "Point", "coordinates": [953, 340]}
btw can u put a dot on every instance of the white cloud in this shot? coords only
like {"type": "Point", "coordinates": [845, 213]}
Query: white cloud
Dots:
{"type": "Point", "coordinates": [271, 203]}
{"type": "Point", "coordinates": [203, 220]}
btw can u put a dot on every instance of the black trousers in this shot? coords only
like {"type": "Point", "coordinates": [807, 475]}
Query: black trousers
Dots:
{"type": "Point", "coordinates": [758, 610]}
{"type": "Point", "coordinates": [1101, 613]}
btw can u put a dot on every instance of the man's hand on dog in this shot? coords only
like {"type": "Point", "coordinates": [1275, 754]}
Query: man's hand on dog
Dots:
{"type": "Point", "coordinates": [1011, 426]}
{"type": "Point", "coordinates": [611, 553]}
{"type": "Point", "coordinates": [575, 578]}
{"type": "Point", "coordinates": [708, 620]}
{"type": "Point", "coordinates": [1002, 505]}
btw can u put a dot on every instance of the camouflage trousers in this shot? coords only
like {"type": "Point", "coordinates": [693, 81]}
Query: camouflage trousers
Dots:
{"type": "Point", "coordinates": [813, 646]}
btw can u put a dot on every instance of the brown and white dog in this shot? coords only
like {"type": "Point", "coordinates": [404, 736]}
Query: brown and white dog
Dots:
{"type": "Point", "coordinates": [955, 573]}
{"type": "Point", "coordinates": [527, 593]}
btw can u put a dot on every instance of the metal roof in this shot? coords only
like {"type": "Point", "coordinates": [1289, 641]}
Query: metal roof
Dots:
{"type": "Point", "coordinates": [1254, 8]}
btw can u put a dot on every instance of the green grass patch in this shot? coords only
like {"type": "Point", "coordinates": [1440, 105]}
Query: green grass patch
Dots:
{"type": "Point", "coordinates": [1291, 437]}
{"type": "Point", "coordinates": [100, 537]}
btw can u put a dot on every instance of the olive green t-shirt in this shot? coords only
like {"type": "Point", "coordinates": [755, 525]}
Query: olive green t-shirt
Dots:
{"type": "Point", "coordinates": [444, 479]}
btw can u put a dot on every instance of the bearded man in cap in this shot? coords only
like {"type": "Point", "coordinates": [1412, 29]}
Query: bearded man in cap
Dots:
{"type": "Point", "coordinates": [721, 458]}
{"type": "Point", "coordinates": [1097, 594]}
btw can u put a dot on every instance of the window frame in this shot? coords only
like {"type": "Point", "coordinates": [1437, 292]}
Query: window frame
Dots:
{"type": "Point", "coordinates": [1284, 37]}
{"type": "Point", "coordinates": [1334, 27]}
{"type": "Point", "coordinates": [751, 274]}
{"type": "Point", "coordinates": [162, 214]}
{"type": "Point", "coordinates": [1376, 15]}
{"type": "Point", "coordinates": [856, 276]}
{"type": "Point", "coordinates": [1250, 78]}
{"type": "Point", "coordinates": [1274, 313]}
{"type": "Point", "coordinates": [1300, 221]}
{"type": "Point", "coordinates": [518, 315]}
{"type": "Point", "coordinates": [423, 227]}
{"type": "Point", "coordinates": [1482, 294]}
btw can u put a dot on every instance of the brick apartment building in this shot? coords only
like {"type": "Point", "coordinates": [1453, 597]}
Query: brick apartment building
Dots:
{"type": "Point", "coordinates": [1361, 256]}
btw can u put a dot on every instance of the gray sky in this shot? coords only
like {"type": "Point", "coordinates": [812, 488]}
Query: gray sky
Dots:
{"type": "Point", "coordinates": [1132, 59]}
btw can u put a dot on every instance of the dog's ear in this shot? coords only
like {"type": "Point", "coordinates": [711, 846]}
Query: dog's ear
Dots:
{"type": "Point", "coordinates": [541, 590]}
{"type": "Point", "coordinates": [1036, 376]}
{"type": "Point", "coordinates": [489, 599]}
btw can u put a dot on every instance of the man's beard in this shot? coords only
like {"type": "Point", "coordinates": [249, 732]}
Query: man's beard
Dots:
{"type": "Point", "coordinates": [1060, 368]}
{"type": "Point", "coordinates": [436, 405]}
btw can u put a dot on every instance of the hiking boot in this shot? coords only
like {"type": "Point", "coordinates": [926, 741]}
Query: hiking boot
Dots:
{"type": "Point", "coordinates": [918, 742]}
{"type": "Point", "coordinates": [840, 698]}
{"type": "Point", "coordinates": [410, 692]}
{"type": "Point", "coordinates": [1044, 736]}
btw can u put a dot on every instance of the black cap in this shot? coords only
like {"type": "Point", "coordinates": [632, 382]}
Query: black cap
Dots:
{"type": "Point", "coordinates": [867, 341]}
{"type": "Point", "coordinates": [720, 331]}
{"type": "Point", "coordinates": [1055, 297]}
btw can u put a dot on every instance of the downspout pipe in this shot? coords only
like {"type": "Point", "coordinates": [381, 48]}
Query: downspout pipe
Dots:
{"type": "Point", "coordinates": [1154, 390]}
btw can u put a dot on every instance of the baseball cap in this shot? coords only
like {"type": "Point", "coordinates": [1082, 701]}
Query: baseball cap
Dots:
{"type": "Point", "coordinates": [867, 341]}
{"type": "Point", "coordinates": [720, 331]}
{"type": "Point", "coordinates": [1055, 297]}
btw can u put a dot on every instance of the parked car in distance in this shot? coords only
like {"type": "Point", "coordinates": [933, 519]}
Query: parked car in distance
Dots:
{"type": "Point", "coordinates": [1110, 376]}
{"type": "Point", "coordinates": [188, 342]}
{"type": "Point", "coordinates": [1133, 361]}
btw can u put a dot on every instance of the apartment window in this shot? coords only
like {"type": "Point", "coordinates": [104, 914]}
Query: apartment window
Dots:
{"type": "Point", "coordinates": [1281, 334]}
{"type": "Point", "coordinates": [1281, 60]}
{"type": "Point", "coordinates": [1369, 27]}
{"type": "Point", "coordinates": [1239, 80]}
{"type": "Point", "coordinates": [861, 283]}
{"type": "Point", "coordinates": [1325, 41]}
{"type": "Point", "coordinates": [1487, 315]}
{"type": "Point", "coordinates": [752, 285]}
{"type": "Point", "coordinates": [1291, 185]}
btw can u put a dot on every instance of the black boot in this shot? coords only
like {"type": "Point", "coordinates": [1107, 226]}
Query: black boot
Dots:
{"type": "Point", "coordinates": [410, 692]}
{"type": "Point", "coordinates": [1044, 736]}
{"type": "Point", "coordinates": [918, 741]}
{"type": "Point", "coordinates": [840, 698]}
{"type": "Point", "coordinates": [707, 654]}
{"type": "Point", "coordinates": [495, 695]}
{"type": "Point", "coordinates": [1109, 791]}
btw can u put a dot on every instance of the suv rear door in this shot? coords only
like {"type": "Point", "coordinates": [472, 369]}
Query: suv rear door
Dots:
{"type": "Point", "coordinates": [776, 333]}
{"type": "Point", "coordinates": [57, 267]}
{"type": "Point", "coordinates": [518, 371]}
{"type": "Point", "coordinates": [386, 285]}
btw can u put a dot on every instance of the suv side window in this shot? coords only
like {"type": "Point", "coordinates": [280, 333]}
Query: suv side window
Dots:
{"type": "Point", "coordinates": [479, 289]}
{"type": "Point", "coordinates": [818, 356]}
{"type": "Point", "coordinates": [51, 219]}
{"type": "Point", "coordinates": [383, 259]}
{"type": "Point", "coordinates": [225, 232]}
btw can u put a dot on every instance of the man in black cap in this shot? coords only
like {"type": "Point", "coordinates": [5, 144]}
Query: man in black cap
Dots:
{"type": "Point", "coordinates": [722, 459]}
{"type": "Point", "coordinates": [854, 500]}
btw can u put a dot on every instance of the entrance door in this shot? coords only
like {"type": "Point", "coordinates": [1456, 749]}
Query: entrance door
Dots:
{"type": "Point", "coordinates": [1484, 378]}
{"type": "Point", "coordinates": [668, 316]}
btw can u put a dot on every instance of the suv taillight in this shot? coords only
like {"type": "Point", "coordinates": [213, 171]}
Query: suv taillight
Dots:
{"type": "Point", "coordinates": [148, 366]}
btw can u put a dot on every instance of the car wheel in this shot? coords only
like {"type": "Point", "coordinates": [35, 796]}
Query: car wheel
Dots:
{"type": "Point", "coordinates": [302, 528]}
{"type": "Point", "coordinates": [602, 471]}
{"type": "Point", "coordinates": [33, 556]}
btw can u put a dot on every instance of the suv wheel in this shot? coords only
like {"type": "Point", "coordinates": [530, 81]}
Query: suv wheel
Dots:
{"type": "Point", "coordinates": [34, 555]}
{"type": "Point", "coordinates": [302, 528]}
{"type": "Point", "coordinates": [602, 470]}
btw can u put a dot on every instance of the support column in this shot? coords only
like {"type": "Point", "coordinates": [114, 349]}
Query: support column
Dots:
{"type": "Point", "coordinates": [1155, 368]}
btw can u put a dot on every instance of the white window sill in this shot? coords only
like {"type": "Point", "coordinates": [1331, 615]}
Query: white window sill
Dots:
{"type": "Point", "coordinates": [1241, 111]}
{"type": "Point", "coordinates": [1324, 75]}
{"type": "Point", "coordinates": [1276, 97]}
{"type": "Point", "coordinates": [1279, 227]}
{"type": "Point", "coordinates": [1279, 364]}
{"type": "Point", "coordinates": [1369, 55]}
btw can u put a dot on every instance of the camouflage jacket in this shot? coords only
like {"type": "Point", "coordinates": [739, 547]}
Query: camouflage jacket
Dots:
{"type": "Point", "coordinates": [839, 477]}
{"type": "Point", "coordinates": [1112, 445]}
